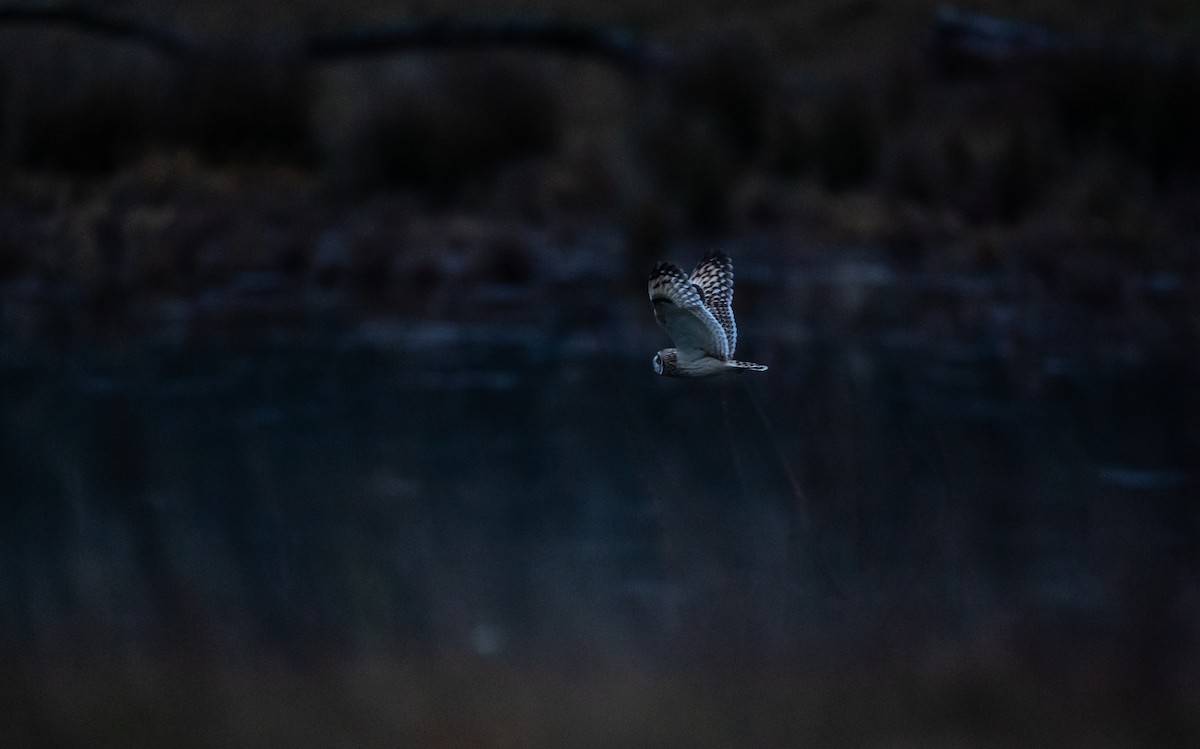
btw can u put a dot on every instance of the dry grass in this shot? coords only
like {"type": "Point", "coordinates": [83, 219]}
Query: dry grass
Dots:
{"type": "Point", "coordinates": [765, 95]}
{"type": "Point", "coordinates": [951, 696]}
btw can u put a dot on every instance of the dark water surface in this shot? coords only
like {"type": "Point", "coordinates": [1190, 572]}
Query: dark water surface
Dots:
{"type": "Point", "coordinates": [493, 498]}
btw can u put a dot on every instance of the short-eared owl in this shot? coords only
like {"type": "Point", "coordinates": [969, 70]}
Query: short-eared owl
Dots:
{"type": "Point", "coordinates": [697, 312]}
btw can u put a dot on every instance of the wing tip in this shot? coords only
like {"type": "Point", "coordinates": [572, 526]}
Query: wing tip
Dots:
{"type": "Point", "coordinates": [719, 261]}
{"type": "Point", "coordinates": [663, 268]}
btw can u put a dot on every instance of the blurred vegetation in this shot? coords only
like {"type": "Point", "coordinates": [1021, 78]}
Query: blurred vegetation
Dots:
{"type": "Point", "coordinates": [1026, 229]}
{"type": "Point", "coordinates": [828, 120]}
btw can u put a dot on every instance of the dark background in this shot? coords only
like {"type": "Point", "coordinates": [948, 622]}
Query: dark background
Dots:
{"type": "Point", "coordinates": [327, 414]}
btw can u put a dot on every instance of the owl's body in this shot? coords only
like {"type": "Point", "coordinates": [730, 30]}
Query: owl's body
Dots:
{"type": "Point", "coordinates": [697, 312]}
{"type": "Point", "coordinates": [668, 362]}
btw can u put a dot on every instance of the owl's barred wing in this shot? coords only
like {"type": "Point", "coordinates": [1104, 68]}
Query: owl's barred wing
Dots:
{"type": "Point", "coordinates": [680, 309]}
{"type": "Point", "coordinates": [714, 277]}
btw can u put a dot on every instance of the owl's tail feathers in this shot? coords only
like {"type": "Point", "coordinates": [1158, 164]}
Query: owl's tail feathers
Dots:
{"type": "Point", "coordinates": [746, 365]}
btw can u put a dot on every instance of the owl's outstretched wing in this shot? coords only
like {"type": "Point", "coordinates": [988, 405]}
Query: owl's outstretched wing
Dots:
{"type": "Point", "coordinates": [714, 277]}
{"type": "Point", "coordinates": [680, 309]}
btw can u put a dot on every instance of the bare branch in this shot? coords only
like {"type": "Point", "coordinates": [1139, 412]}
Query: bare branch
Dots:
{"type": "Point", "coordinates": [98, 23]}
{"type": "Point", "coordinates": [616, 46]}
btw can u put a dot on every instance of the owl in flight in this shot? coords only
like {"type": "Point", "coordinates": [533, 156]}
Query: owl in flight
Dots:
{"type": "Point", "coordinates": [697, 312]}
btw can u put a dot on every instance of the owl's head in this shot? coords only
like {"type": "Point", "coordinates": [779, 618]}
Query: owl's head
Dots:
{"type": "Point", "coordinates": [664, 362]}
